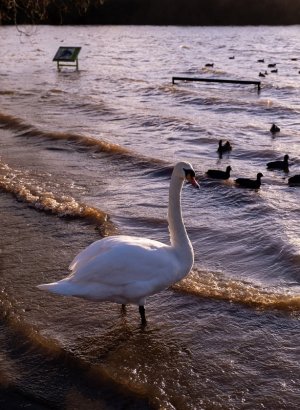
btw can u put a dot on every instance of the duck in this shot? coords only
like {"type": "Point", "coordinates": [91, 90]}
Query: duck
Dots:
{"type": "Point", "coordinates": [250, 183]}
{"type": "Point", "coordinates": [261, 60]}
{"type": "Point", "coordinates": [274, 128]}
{"type": "Point", "coordinates": [127, 269]}
{"type": "Point", "coordinates": [279, 164]}
{"type": "Point", "coordinates": [294, 180]}
{"type": "Point", "coordinates": [224, 148]}
{"type": "Point", "coordinates": [261, 74]}
{"type": "Point", "coordinates": [215, 173]}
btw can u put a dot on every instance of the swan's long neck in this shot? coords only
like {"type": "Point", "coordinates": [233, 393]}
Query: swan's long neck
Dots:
{"type": "Point", "coordinates": [178, 234]}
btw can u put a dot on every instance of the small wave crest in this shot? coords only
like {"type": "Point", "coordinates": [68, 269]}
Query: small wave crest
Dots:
{"type": "Point", "coordinates": [26, 130]}
{"type": "Point", "coordinates": [214, 285]}
{"type": "Point", "coordinates": [11, 122]}
{"type": "Point", "coordinates": [161, 172]}
{"type": "Point", "coordinates": [14, 182]}
{"type": "Point", "coordinates": [211, 70]}
{"type": "Point", "coordinates": [84, 141]}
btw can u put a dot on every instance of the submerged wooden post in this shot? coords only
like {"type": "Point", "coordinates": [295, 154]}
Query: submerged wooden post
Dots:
{"type": "Point", "coordinates": [217, 80]}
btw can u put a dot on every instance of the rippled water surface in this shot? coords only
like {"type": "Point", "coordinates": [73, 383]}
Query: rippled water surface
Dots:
{"type": "Point", "coordinates": [89, 153]}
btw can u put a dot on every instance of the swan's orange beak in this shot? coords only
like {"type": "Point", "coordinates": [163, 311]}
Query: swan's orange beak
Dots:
{"type": "Point", "coordinates": [192, 181]}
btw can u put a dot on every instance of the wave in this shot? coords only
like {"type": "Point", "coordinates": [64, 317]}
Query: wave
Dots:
{"type": "Point", "coordinates": [199, 94]}
{"type": "Point", "coordinates": [9, 121]}
{"type": "Point", "coordinates": [89, 142]}
{"type": "Point", "coordinates": [7, 92]}
{"type": "Point", "coordinates": [14, 182]}
{"type": "Point", "coordinates": [27, 130]}
{"type": "Point", "coordinates": [214, 285]}
{"type": "Point", "coordinates": [30, 346]}
{"type": "Point", "coordinates": [162, 172]}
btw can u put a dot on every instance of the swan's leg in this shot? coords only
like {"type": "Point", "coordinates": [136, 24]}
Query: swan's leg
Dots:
{"type": "Point", "coordinates": [123, 308]}
{"type": "Point", "coordinates": [142, 313]}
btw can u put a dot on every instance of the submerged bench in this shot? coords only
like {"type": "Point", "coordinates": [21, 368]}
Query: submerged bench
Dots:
{"type": "Point", "coordinates": [217, 80]}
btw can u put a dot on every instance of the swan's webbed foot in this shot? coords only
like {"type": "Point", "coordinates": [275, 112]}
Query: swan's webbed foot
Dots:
{"type": "Point", "coordinates": [143, 315]}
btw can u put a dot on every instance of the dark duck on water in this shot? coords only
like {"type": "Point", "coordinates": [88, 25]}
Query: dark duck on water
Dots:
{"type": "Point", "coordinates": [215, 173]}
{"type": "Point", "coordinates": [250, 183]}
{"type": "Point", "coordinates": [274, 128]}
{"type": "Point", "coordinates": [224, 148]}
{"type": "Point", "coordinates": [279, 164]}
{"type": "Point", "coordinates": [294, 180]}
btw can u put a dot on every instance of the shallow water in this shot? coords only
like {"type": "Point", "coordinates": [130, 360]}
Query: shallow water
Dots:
{"type": "Point", "coordinates": [89, 153]}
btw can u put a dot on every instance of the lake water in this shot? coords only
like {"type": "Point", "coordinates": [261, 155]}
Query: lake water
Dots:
{"type": "Point", "coordinates": [89, 153]}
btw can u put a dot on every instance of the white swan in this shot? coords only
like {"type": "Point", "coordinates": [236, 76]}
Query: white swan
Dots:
{"type": "Point", "coordinates": [126, 269]}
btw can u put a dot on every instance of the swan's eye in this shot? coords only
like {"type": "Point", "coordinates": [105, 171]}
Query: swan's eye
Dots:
{"type": "Point", "coordinates": [190, 177]}
{"type": "Point", "coordinates": [189, 173]}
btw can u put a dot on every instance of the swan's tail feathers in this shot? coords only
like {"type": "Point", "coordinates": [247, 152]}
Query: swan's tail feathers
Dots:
{"type": "Point", "coordinates": [62, 287]}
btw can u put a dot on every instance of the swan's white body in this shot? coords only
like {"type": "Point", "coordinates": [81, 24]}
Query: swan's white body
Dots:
{"type": "Point", "coordinates": [126, 269]}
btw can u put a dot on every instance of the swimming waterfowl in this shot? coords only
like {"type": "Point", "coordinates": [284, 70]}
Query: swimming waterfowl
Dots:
{"type": "Point", "coordinates": [274, 128]}
{"type": "Point", "coordinates": [215, 173]}
{"type": "Point", "coordinates": [126, 269]}
{"type": "Point", "coordinates": [294, 180]}
{"type": "Point", "coordinates": [279, 164]}
{"type": "Point", "coordinates": [224, 148]}
{"type": "Point", "coordinates": [250, 183]}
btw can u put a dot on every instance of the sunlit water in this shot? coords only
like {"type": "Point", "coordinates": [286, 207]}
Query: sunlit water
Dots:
{"type": "Point", "coordinates": [89, 153]}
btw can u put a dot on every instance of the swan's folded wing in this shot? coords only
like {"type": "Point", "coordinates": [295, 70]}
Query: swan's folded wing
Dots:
{"type": "Point", "coordinates": [87, 254]}
{"type": "Point", "coordinates": [107, 244]}
{"type": "Point", "coordinates": [125, 263]}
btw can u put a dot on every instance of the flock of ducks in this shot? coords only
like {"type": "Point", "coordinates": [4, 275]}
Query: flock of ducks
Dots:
{"type": "Point", "coordinates": [242, 182]}
{"type": "Point", "coordinates": [247, 182]}
{"type": "Point", "coordinates": [272, 66]}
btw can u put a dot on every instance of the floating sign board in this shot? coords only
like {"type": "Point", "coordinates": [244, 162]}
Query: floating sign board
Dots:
{"type": "Point", "coordinates": [67, 55]}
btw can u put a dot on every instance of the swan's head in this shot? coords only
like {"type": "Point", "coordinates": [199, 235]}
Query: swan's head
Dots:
{"type": "Point", "coordinates": [185, 171]}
